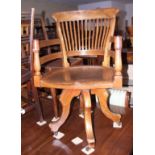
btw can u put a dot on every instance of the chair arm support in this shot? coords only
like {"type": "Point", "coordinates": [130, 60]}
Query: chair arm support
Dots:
{"type": "Point", "coordinates": [118, 61]}
{"type": "Point", "coordinates": [36, 63]}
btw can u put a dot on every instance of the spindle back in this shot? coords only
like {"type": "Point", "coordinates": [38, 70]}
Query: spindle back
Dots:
{"type": "Point", "coordinates": [86, 32]}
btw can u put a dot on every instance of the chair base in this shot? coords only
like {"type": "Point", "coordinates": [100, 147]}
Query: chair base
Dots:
{"type": "Point", "coordinates": [41, 123]}
{"type": "Point", "coordinates": [49, 97]}
{"type": "Point", "coordinates": [23, 111]}
{"type": "Point", "coordinates": [58, 135]}
{"type": "Point", "coordinates": [117, 124]}
{"type": "Point", "coordinates": [97, 102]}
{"type": "Point", "coordinates": [54, 119]}
{"type": "Point", "coordinates": [77, 141]}
{"type": "Point", "coordinates": [87, 150]}
{"type": "Point", "coordinates": [81, 115]}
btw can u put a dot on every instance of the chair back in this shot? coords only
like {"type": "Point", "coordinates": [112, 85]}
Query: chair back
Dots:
{"type": "Point", "coordinates": [27, 36]}
{"type": "Point", "coordinates": [29, 20]}
{"type": "Point", "coordinates": [86, 32]}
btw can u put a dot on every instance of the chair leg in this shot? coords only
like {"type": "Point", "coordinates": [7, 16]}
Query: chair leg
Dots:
{"type": "Point", "coordinates": [102, 95]}
{"type": "Point", "coordinates": [81, 111]}
{"type": "Point", "coordinates": [38, 107]}
{"type": "Point", "coordinates": [55, 102]}
{"type": "Point", "coordinates": [29, 94]}
{"type": "Point", "coordinates": [88, 119]}
{"type": "Point", "coordinates": [65, 98]}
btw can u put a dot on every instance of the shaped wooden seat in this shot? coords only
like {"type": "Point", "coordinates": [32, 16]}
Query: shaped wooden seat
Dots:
{"type": "Point", "coordinates": [85, 77]}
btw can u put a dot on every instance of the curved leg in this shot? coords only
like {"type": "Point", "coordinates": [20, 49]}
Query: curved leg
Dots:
{"type": "Point", "coordinates": [102, 95]}
{"type": "Point", "coordinates": [55, 102]}
{"type": "Point", "coordinates": [65, 98]}
{"type": "Point", "coordinates": [88, 119]}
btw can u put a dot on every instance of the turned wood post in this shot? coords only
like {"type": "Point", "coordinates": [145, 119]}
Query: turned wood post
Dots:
{"type": "Point", "coordinates": [118, 61]}
{"type": "Point", "coordinates": [31, 39]}
{"type": "Point", "coordinates": [36, 61]}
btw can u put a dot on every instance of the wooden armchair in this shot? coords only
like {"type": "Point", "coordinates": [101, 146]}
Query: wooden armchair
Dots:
{"type": "Point", "coordinates": [27, 35]}
{"type": "Point", "coordinates": [83, 33]}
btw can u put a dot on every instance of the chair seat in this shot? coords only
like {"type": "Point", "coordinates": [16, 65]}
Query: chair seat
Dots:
{"type": "Point", "coordinates": [79, 77]}
{"type": "Point", "coordinates": [25, 75]}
